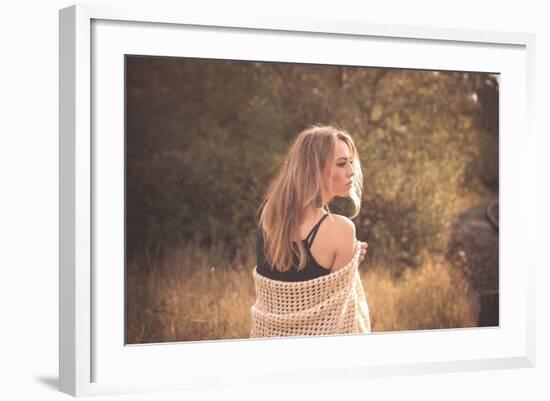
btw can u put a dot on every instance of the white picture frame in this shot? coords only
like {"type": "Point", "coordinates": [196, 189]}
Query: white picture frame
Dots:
{"type": "Point", "coordinates": [93, 359]}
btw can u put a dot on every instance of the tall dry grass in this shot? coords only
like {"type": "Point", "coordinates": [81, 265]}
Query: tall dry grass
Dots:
{"type": "Point", "coordinates": [434, 296]}
{"type": "Point", "coordinates": [197, 295]}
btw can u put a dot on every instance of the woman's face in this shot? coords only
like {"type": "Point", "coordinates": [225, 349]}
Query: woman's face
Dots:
{"type": "Point", "coordinates": [342, 170]}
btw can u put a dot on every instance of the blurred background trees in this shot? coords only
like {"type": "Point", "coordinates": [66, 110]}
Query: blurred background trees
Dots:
{"type": "Point", "coordinates": [205, 137]}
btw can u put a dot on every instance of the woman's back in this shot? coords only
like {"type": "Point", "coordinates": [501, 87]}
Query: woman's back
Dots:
{"type": "Point", "coordinates": [329, 242]}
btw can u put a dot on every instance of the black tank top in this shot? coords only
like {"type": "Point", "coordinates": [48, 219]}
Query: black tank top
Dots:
{"type": "Point", "coordinates": [310, 271]}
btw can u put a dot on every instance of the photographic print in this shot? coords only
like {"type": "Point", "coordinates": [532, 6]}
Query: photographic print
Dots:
{"type": "Point", "coordinates": [267, 199]}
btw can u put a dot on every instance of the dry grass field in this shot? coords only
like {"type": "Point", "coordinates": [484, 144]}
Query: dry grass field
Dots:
{"type": "Point", "coordinates": [195, 296]}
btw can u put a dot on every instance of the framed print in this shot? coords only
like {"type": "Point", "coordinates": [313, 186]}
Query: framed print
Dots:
{"type": "Point", "coordinates": [171, 127]}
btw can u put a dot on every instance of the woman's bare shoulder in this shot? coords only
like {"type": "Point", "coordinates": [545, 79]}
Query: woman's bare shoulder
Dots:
{"type": "Point", "coordinates": [342, 233]}
{"type": "Point", "coordinates": [339, 223]}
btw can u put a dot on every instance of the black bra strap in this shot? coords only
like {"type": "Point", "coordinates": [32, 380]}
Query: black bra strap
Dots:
{"type": "Point", "coordinates": [314, 230]}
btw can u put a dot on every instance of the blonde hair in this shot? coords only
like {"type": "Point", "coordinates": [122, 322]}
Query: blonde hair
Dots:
{"type": "Point", "coordinates": [303, 182]}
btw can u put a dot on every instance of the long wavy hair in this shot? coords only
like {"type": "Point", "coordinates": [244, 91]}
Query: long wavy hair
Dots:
{"type": "Point", "coordinates": [303, 182]}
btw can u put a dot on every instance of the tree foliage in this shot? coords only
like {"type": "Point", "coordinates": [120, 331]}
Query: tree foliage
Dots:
{"type": "Point", "coordinates": [205, 137]}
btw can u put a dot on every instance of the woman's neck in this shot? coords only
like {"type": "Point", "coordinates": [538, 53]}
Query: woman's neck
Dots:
{"type": "Point", "coordinates": [314, 213]}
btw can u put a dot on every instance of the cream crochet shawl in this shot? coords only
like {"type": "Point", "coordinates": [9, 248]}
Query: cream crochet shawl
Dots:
{"type": "Point", "coordinates": [330, 304]}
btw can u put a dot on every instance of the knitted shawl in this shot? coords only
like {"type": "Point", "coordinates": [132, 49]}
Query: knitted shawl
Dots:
{"type": "Point", "coordinates": [331, 304]}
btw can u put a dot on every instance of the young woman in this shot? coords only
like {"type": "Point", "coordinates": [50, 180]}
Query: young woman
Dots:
{"type": "Point", "coordinates": [306, 277]}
